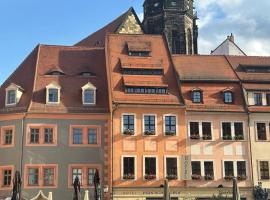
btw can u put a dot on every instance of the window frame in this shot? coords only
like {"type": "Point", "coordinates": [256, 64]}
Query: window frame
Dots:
{"type": "Point", "coordinates": [259, 170]}
{"type": "Point", "coordinates": [201, 136]}
{"type": "Point", "coordinates": [261, 98]}
{"type": "Point", "coordinates": [202, 162]}
{"type": "Point", "coordinates": [143, 125]}
{"type": "Point", "coordinates": [235, 167]}
{"type": "Point", "coordinates": [2, 169]}
{"type": "Point", "coordinates": [165, 166]}
{"type": "Point", "coordinates": [2, 139]}
{"type": "Point", "coordinates": [7, 97]}
{"type": "Point", "coordinates": [85, 135]}
{"type": "Point", "coordinates": [176, 125]}
{"type": "Point", "coordinates": [56, 87]}
{"type": "Point", "coordinates": [144, 167]}
{"type": "Point", "coordinates": [122, 124]}
{"type": "Point", "coordinates": [267, 131]}
{"type": "Point", "coordinates": [135, 167]}
{"type": "Point", "coordinates": [233, 138]}
{"type": "Point", "coordinates": [193, 96]}
{"type": "Point", "coordinates": [232, 97]}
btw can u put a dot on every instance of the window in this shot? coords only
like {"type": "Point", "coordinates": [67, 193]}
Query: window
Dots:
{"type": "Point", "coordinates": [48, 176]}
{"type": "Point", "coordinates": [77, 172]}
{"type": "Point", "coordinates": [194, 130]}
{"type": "Point", "coordinates": [8, 135]}
{"type": "Point", "coordinates": [149, 124]}
{"type": "Point", "coordinates": [196, 170]}
{"type": "Point", "coordinates": [261, 131]}
{"type": "Point", "coordinates": [41, 135]}
{"type": "Point", "coordinates": [48, 135]}
{"type": "Point", "coordinates": [91, 175]}
{"type": "Point", "coordinates": [171, 168]}
{"type": "Point", "coordinates": [128, 168]}
{"type": "Point", "coordinates": [89, 96]}
{"type": "Point", "coordinates": [264, 170]}
{"type": "Point", "coordinates": [207, 130]}
{"type": "Point", "coordinates": [228, 97]}
{"type": "Point", "coordinates": [77, 136]}
{"type": "Point", "coordinates": [92, 136]}
{"type": "Point", "coordinates": [53, 95]}
{"type": "Point", "coordinates": [257, 99]}
{"type": "Point", "coordinates": [170, 125]}
{"type": "Point", "coordinates": [268, 99]}
{"type": "Point", "coordinates": [226, 131]}
{"type": "Point", "coordinates": [11, 97]}
{"type": "Point", "coordinates": [139, 53]}
{"type": "Point", "coordinates": [128, 124]}
{"type": "Point", "coordinates": [238, 131]}
{"type": "Point", "coordinates": [85, 135]}
{"type": "Point", "coordinates": [241, 170]}
{"type": "Point", "coordinates": [150, 168]}
{"type": "Point", "coordinates": [33, 176]}
{"type": "Point", "coordinates": [7, 177]}
{"type": "Point", "coordinates": [196, 96]}
{"type": "Point", "coordinates": [229, 170]}
{"type": "Point", "coordinates": [146, 90]}
{"type": "Point", "coordinates": [34, 136]}
{"type": "Point", "coordinates": [142, 71]}
{"type": "Point", "coordinates": [208, 170]}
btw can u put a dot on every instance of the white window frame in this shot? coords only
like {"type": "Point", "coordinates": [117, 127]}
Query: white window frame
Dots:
{"type": "Point", "coordinates": [164, 124]}
{"type": "Point", "coordinates": [235, 167]}
{"type": "Point", "coordinates": [53, 86]}
{"type": "Point", "coordinates": [135, 167]}
{"type": "Point", "coordinates": [122, 123]}
{"type": "Point", "coordinates": [202, 167]}
{"type": "Point", "coordinates": [200, 129]}
{"type": "Point", "coordinates": [89, 86]}
{"type": "Point", "coordinates": [157, 171]}
{"type": "Point", "coordinates": [232, 130]}
{"type": "Point", "coordinates": [177, 162]}
{"type": "Point", "coordinates": [143, 128]}
{"type": "Point", "coordinates": [15, 100]}
{"type": "Point", "coordinates": [18, 93]}
{"type": "Point", "coordinates": [259, 170]}
{"type": "Point", "coordinates": [267, 124]}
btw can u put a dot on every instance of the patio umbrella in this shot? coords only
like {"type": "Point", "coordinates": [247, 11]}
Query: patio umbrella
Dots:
{"type": "Point", "coordinates": [166, 190]}
{"type": "Point", "coordinates": [97, 185]}
{"type": "Point", "coordinates": [17, 182]}
{"type": "Point", "coordinates": [77, 189]}
{"type": "Point", "coordinates": [236, 193]}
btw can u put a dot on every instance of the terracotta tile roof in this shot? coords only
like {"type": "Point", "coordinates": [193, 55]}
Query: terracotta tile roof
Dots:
{"type": "Point", "coordinates": [238, 61]}
{"type": "Point", "coordinates": [256, 86]}
{"type": "Point", "coordinates": [141, 63]}
{"type": "Point", "coordinates": [213, 97]}
{"type": "Point", "coordinates": [144, 81]}
{"type": "Point", "coordinates": [139, 46]}
{"type": "Point", "coordinates": [97, 39]}
{"type": "Point", "coordinates": [196, 67]}
{"type": "Point", "coordinates": [24, 77]}
{"type": "Point", "coordinates": [117, 51]}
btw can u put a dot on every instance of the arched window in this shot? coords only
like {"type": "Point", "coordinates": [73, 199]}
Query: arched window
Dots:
{"type": "Point", "coordinates": [189, 38]}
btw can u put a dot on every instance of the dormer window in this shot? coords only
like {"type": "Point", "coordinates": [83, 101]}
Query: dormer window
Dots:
{"type": "Point", "coordinates": [141, 49]}
{"type": "Point", "coordinates": [87, 74]}
{"type": "Point", "coordinates": [228, 97]}
{"type": "Point", "coordinates": [197, 96]}
{"type": "Point", "coordinates": [55, 72]}
{"type": "Point", "coordinates": [89, 94]}
{"type": "Point", "coordinates": [53, 93]}
{"type": "Point", "coordinates": [13, 94]}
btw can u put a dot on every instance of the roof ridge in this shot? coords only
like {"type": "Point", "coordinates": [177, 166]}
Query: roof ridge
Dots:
{"type": "Point", "coordinates": [67, 46]}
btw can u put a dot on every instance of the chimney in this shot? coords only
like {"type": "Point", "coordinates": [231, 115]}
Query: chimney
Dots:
{"type": "Point", "coordinates": [231, 37]}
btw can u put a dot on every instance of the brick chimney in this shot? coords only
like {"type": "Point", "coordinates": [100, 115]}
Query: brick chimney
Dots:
{"type": "Point", "coordinates": [231, 37]}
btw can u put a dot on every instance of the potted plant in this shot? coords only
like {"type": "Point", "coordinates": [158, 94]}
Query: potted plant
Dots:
{"type": "Point", "coordinates": [196, 177]}
{"type": "Point", "coordinates": [228, 178]}
{"type": "Point", "coordinates": [171, 176]}
{"type": "Point", "coordinates": [128, 132]}
{"type": "Point", "coordinates": [149, 132]}
{"type": "Point", "coordinates": [227, 137]}
{"type": "Point", "coordinates": [242, 177]}
{"type": "Point", "coordinates": [207, 137]}
{"type": "Point", "coordinates": [149, 176]}
{"type": "Point", "coordinates": [195, 137]}
{"type": "Point", "coordinates": [239, 137]}
{"type": "Point", "coordinates": [208, 177]}
{"type": "Point", "coordinates": [170, 133]}
{"type": "Point", "coordinates": [128, 176]}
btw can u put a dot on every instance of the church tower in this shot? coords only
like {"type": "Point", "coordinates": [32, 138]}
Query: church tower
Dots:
{"type": "Point", "coordinates": [177, 20]}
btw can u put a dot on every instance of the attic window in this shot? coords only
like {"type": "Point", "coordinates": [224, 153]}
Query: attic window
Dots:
{"type": "Point", "coordinates": [87, 74]}
{"type": "Point", "coordinates": [55, 73]}
{"type": "Point", "coordinates": [141, 49]}
{"type": "Point", "coordinates": [197, 95]}
{"type": "Point", "coordinates": [13, 94]}
{"type": "Point", "coordinates": [89, 94]}
{"type": "Point", "coordinates": [228, 97]}
{"type": "Point", "coordinates": [53, 93]}
{"type": "Point", "coordinates": [256, 69]}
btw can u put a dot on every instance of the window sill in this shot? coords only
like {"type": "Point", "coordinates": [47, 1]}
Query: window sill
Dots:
{"type": "Point", "coordinates": [6, 146]}
{"type": "Point", "coordinates": [40, 145]}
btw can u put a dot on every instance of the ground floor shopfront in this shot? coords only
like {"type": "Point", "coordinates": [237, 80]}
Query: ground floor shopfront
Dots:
{"type": "Point", "coordinates": [178, 193]}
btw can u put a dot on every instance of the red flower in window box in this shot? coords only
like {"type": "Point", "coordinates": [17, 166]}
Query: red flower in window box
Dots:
{"type": "Point", "coordinates": [128, 132]}
{"type": "Point", "coordinates": [196, 177]}
{"type": "Point", "coordinates": [195, 137]}
{"type": "Point", "coordinates": [149, 176]}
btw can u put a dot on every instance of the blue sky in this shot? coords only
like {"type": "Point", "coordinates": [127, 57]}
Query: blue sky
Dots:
{"type": "Point", "coordinates": [26, 23]}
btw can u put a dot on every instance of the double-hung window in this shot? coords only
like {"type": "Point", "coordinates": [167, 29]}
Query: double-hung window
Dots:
{"type": "Point", "coordinates": [149, 124]}
{"type": "Point", "coordinates": [208, 170]}
{"type": "Point", "coordinates": [238, 131]}
{"type": "Point", "coordinates": [229, 170]}
{"type": "Point", "coordinates": [92, 136]}
{"type": "Point", "coordinates": [194, 130]}
{"type": "Point", "coordinates": [8, 135]}
{"type": "Point", "coordinates": [226, 131]}
{"type": "Point", "coordinates": [77, 135]}
{"type": "Point", "coordinates": [150, 168]}
{"type": "Point", "coordinates": [34, 135]}
{"type": "Point", "coordinates": [128, 124]}
{"type": "Point", "coordinates": [241, 170]}
{"type": "Point", "coordinates": [196, 170]}
{"type": "Point", "coordinates": [7, 177]}
{"type": "Point", "coordinates": [171, 168]}
{"type": "Point", "coordinates": [48, 135]}
{"type": "Point", "coordinates": [264, 170]}
{"type": "Point", "coordinates": [170, 125]}
{"type": "Point", "coordinates": [261, 131]}
{"type": "Point", "coordinates": [128, 168]}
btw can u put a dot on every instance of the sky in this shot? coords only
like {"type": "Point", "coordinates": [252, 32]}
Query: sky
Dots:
{"type": "Point", "coordinates": [27, 23]}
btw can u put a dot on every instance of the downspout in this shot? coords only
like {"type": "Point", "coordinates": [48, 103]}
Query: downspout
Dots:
{"type": "Point", "coordinates": [250, 151]}
{"type": "Point", "coordinates": [22, 142]}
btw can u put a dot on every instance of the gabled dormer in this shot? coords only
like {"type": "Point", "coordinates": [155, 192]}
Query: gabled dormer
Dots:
{"type": "Point", "coordinates": [53, 93]}
{"type": "Point", "coordinates": [197, 95]}
{"type": "Point", "coordinates": [89, 94]}
{"type": "Point", "coordinates": [13, 94]}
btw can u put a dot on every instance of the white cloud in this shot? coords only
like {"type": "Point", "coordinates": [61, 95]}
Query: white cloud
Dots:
{"type": "Point", "coordinates": [248, 21]}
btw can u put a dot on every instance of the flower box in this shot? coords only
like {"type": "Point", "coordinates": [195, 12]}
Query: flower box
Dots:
{"type": "Point", "coordinates": [170, 133]}
{"type": "Point", "coordinates": [128, 132]}
{"type": "Point", "coordinates": [239, 137]}
{"type": "Point", "coordinates": [172, 177]}
{"type": "Point", "coordinates": [228, 178]}
{"type": "Point", "coordinates": [128, 177]}
{"type": "Point", "coordinates": [207, 137]}
{"type": "Point", "coordinates": [196, 177]}
{"type": "Point", "coordinates": [242, 177]}
{"type": "Point", "coordinates": [227, 137]}
{"type": "Point", "coordinates": [195, 137]}
{"type": "Point", "coordinates": [208, 177]}
{"type": "Point", "coordinates": [149, 176]}
{"type": "Point", "coordinates": [149, 133]}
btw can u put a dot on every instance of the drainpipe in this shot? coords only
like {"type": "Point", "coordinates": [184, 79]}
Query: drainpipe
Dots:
{"type": "Point", "coordinates": [22, 142]}
{"type": "Point", "coordinates": [250, 150]}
